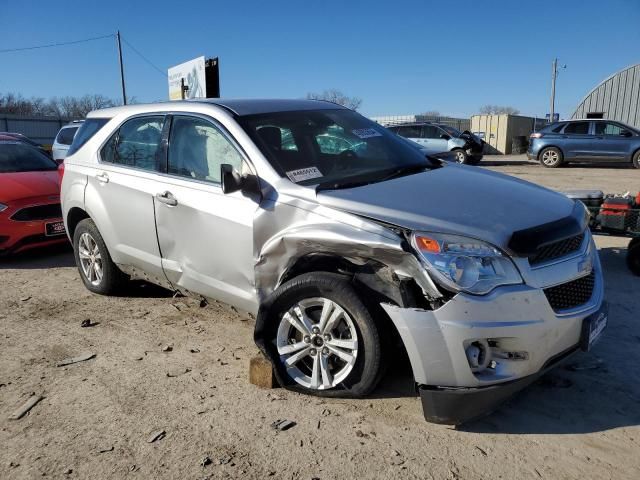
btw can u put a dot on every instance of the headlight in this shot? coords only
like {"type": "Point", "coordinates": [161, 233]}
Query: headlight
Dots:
{"type": "Point", "coordinates": [3, 207]}
{"type": "Point", "coordinates": [465, 264]}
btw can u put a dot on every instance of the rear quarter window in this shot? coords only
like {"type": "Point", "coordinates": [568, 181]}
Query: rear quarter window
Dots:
{"type": "Point", "coordinates": [65, 136]}
{"type": "Point", "coordinates": [88, 129]}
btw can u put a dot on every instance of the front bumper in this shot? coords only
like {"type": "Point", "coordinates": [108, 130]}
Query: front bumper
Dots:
{"type": "Point", "coordinates": [20, 235]}
{"type": "Point", "coordinates": [516, 319]}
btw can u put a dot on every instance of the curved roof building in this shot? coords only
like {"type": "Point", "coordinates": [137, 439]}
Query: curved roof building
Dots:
{"type": "Point", "coordinates": [615, 98]}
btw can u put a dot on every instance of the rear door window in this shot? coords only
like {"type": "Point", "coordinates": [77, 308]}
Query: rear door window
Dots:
{"type": "Point", "coordinates": [430, 131]}
{"type": "Point", "coordinates": [577, 128]}
{"type": "Point", "coordinates": [65, 136]}
{"type": "Point", "coordinates": [136, 144]}
{"type": "Point", "coordinates": [410, 131]}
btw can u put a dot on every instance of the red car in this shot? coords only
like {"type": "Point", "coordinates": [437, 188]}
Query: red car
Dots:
{"type": "Point", "coordinates": [30, 213]}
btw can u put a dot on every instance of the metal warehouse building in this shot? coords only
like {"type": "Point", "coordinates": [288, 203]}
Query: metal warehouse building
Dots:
{"type": "Point", "coordinates": [616, 98]}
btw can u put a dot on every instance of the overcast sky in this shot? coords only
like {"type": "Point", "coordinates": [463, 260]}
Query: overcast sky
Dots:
{"type": "Point", "coordinates": [400, 57]}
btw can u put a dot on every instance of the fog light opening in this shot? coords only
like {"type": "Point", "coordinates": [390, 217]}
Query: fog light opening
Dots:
{"type": "Point", "coordinates": [478, 355]}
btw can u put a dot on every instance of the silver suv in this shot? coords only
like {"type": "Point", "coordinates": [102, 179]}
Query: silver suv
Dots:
{"type": "Point", "coordinates": [343, 240]}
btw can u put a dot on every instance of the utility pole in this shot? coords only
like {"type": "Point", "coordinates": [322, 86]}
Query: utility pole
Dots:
{"type": "Point", "coordinates": [554, 75]}
{"type": "Point", "coordinates": [124, 92]}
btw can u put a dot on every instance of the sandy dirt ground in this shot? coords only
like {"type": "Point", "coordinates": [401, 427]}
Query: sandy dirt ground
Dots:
{"type": "Point", "coordinates": [165, 364]}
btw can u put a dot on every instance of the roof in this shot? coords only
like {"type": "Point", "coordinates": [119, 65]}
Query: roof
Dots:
{"type": "Point", "coordinates": [245, 106]}
{"type": "Point", "coordinates": [240, 107]}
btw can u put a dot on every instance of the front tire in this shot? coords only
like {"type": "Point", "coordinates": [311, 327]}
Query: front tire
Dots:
{"type": "Point", "coordinates": [636, 159]}
{"type": "Point", "coordinates": [324, 339]}
{"type": "Point", "coordinates": [460, 156]}
{"type": "Point", "coordinates": [97, 271]}
{"type": "Point", "coordinates": [551, 157]}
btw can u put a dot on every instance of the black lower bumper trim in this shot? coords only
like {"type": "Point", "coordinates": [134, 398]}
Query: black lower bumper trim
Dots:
{"type": "Point", "coordinates": [451, 406]}
{"type": "Point", "coordinates": [457, 405]}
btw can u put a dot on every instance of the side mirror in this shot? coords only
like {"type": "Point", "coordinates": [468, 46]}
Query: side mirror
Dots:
{"type": "Point", "coordinates": [444, 136]}
{"type": "Point", "coordinates": [231, 180]}
{"type": "Point", "coordinates": [625, 133]}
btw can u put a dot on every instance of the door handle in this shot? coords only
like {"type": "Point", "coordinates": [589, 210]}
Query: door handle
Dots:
{"type": "Point", "coordinates": [167, 198]}
{"type": "Point", "coordinates": [102, 177]}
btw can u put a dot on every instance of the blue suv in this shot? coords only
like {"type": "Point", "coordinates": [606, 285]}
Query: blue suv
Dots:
{"type": "Point", "coordinates": [585, 141]}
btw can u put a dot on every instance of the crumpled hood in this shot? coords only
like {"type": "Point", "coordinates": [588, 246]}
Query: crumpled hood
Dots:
{"type": "Point", "coordinates": [455, 199]}
{"type": "Point", "coordinates": [21, 185]}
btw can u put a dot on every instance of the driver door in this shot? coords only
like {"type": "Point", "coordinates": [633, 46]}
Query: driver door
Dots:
{"type": "Point", "coordinates": [205, 236]}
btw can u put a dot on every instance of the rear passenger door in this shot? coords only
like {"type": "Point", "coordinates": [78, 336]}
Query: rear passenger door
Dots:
{"type": "Point", "coordinates": [205, 236]}
{"type": "Point", "coordinates": [119, 193]}
{"type": "Point", "coordinates": [412, 132]}
{"type": "Point", "coordinates": [577, 141]}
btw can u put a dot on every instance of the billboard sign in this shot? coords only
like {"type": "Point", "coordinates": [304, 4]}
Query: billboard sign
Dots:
{"type": "Point", "coordinates": [193, 74]}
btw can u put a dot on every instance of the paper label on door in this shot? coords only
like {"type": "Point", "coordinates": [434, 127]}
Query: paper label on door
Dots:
{"type": "Point", "coordinates": [366, 132]}
{"type": "Point", "coordinates": [304, 174]}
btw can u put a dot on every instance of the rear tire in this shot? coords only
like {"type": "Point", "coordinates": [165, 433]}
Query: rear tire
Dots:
{"type": "Point", "coordinates": [551, 157]}
{"type": "Point", "coordinates": [97, 271]}
{"type": "Point", "coordinates": [636, 159]}
{"type": "Point", "coordinates": [334, 357]}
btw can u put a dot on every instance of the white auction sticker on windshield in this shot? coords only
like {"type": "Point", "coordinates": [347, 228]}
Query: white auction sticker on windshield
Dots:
{"type": "Point", "coordinates": [304, 174]}
{"type": "Point", "coordinates": [366, 132]}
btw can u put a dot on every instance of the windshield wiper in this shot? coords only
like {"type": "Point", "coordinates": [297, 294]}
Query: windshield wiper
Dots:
{"type": "Point", "coordinates": [340, 185]}
{"type": "Point", "coordinates": [402, 171]}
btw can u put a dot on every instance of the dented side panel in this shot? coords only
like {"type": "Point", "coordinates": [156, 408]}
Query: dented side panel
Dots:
{"type": "Point", "coordinates": [290, 228]}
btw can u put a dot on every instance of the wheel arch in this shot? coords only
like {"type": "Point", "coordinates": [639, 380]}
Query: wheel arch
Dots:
{"type": "Point", "coordinates": [375, 283]}
{"type": "Point", "coordinates": [74, 217]}
{"type": "Point", "coordinates": [542, 149]}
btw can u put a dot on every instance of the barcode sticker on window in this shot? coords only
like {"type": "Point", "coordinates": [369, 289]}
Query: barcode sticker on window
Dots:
{"type": "Point", "coordinates": [366, 132]}
{"type": "Point", "coordinates": [304, 174]}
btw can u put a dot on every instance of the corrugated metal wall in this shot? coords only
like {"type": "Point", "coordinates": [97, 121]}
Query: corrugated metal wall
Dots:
{"type": "Point", "coordinates": [39, 129]}
{"type": "Point", "coordinates": [617, 98]}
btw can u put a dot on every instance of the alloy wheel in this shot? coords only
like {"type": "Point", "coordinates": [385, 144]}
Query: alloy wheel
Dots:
{"type": "Point", "coordinates": [90, 259]}
{"type": "Point", "coordinates": [550, 157]}
{"type": "Point", "coordinates": [318, 343]}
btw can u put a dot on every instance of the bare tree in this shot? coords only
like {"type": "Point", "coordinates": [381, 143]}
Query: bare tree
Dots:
{"type": "Point", "coordinates": [63, 107]}
{"type": "Point", "coordinates": [336, 96]}
{"type": "Point", "coordinates": [497, 110]}
{"type": "Point", "coordinates": [431, 113]}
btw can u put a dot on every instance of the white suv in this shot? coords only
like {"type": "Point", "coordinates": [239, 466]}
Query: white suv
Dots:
{"type": "Point", "coordinates": [63, 141]}
{"type": "Point", "coordinates": [334, 233]}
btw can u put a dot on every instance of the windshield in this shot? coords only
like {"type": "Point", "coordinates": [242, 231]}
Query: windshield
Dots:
{"type": "Point", "coordinates": [18, 157]}
{"type": "Point", "coordinates": [454, 132]}
{"type": "Point", "coordinates": [330, 146]}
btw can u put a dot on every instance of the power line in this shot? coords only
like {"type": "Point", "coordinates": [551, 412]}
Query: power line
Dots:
{"type": "Point", "coordinates": [21, 49]}
{"type": "Point", "coordinates": [162, 72]}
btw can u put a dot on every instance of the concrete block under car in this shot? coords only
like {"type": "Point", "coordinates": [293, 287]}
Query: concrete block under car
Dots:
{"type": "Point", "coordinates": [261, 373]}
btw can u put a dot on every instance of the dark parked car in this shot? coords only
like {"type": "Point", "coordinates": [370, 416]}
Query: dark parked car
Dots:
{"type": "Point", "coordinates": [585, 141]}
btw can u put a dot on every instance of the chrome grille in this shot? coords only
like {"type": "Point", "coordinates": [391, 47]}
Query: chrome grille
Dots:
{"type": "Point", "coordinates": [557, 249]}
{"type": "Point", "coordinates": [571, 294]}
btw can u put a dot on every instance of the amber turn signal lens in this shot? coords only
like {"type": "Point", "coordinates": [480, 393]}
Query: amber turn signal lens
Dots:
{"type": "Point", "coordinates": [428, 244]}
